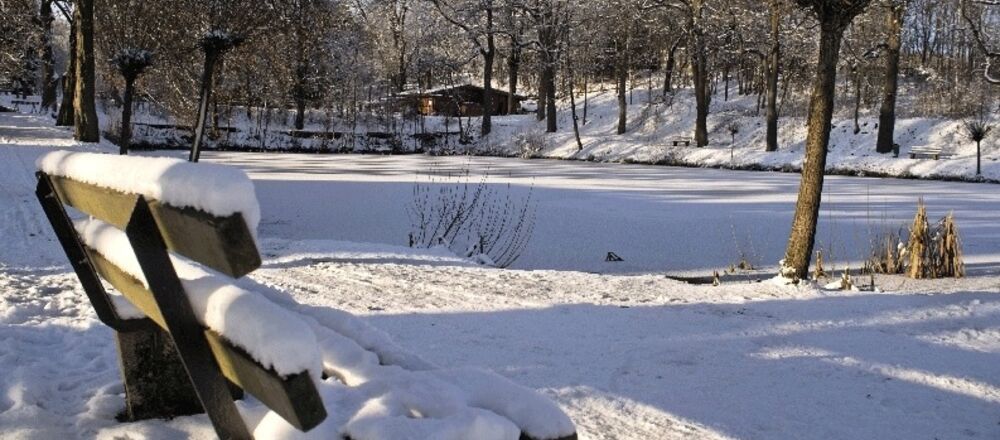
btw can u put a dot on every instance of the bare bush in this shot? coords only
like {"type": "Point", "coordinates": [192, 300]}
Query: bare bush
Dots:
{"type": "Point", "coordinates": [531, 145]}
{"type": "Point", "coordinates": [479, 220]}
{"type": "Point", "coordinates": [887, 253]}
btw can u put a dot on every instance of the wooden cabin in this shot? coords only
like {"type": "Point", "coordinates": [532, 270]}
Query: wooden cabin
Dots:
{"type": "Point", "coordinates": [463, 100]}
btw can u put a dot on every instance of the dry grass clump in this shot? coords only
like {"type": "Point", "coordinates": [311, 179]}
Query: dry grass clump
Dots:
{"type": "Point", "coordinates": [931, 250]}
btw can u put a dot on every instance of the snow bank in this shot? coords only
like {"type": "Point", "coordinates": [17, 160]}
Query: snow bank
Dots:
{"type": "Point", "coordinates": [171, 181]}
{"type": "Point", "coordinates": [389, 394]}
{"type": "Point", "coordinates": [271, 334]}
{"type": "Point", "coordinates": [391, 402]}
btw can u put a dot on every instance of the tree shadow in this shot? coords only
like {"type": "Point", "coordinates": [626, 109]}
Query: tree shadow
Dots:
{"type": "Point", "coordinates": [863, 366]}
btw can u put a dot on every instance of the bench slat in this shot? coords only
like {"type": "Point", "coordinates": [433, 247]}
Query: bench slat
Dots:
{"type": "Point", "coordinates": [294, 398]}
{"type": "Point", "coordinates": [222, 243]}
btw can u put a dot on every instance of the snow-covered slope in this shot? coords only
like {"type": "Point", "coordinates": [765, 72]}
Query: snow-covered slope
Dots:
{"type": "Point", "coordinates": [653, 123]}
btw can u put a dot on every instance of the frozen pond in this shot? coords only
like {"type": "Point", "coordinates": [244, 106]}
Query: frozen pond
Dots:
{"type": "Point", "coordinates": [659, 219]}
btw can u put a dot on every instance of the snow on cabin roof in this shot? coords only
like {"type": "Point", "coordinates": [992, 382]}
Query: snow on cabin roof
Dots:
{"type": "Point", "coordinates": [216, 189]}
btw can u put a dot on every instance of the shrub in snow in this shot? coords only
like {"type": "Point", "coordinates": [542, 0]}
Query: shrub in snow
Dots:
{"type": "Point", "coordinates": [531, 145]}
{"type": "Point", "coordinates": [946, 249]}
{"type": "Point", "coordinates": [482, 221]}
{"type": "Point", "coordinates": [887, 254]}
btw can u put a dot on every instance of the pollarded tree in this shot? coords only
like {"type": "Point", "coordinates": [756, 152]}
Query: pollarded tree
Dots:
{"type": "Point", "coordinates": [130, 63]}
{"type": "Point", "coordinates": [834, 17]}
{"type": "Point", "coordinates": [125, 40]}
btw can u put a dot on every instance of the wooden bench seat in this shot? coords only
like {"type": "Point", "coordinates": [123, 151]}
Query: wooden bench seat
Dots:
{"type": "Point", "coordinates": [201, 366]}
{"type": "Point", "coordinates": [679, 140]}
{"type": "Point", "coordinates": [935, 152]}
{"type": "Point", "coordinates": [212, 362]}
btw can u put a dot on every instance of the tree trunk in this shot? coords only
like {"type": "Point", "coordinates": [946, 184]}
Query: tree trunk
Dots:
{"type": "Point", "coordinates": [551, 123]}
{"type": "Point", "coordinates": [572, 102]}
{"type": "Point", "coordinates": [725, 76]}
{"type": "Point", "coordinates": [125, 136]}
{"type": "Point", "coordinates": [66, 107]}
{"type": "Point", "coordinates": [803, 234]}
{"type": "Point", "coordinates": [48, 65]}
{"type": "Point", "coordinates": [979, 159]}
{"type": "Point", "coordinates": [887, 113]}
{"type": "Point", "coordinates": [513, 68]}
{"type": "Point", "coordinates": [857, 100]}
{"type": "Point", "coordinates": [622, 74]}
{"type": "Point", "coordinates": [668, 75]}
{"type": "Point", "coordinates": [773, 69]}
{"type": "Point", "coordinates": [85, 110]}
{"type": "Point", "coordinates": [207, 75]}
{"type": "Point", "coordinates": [542, 95]}
{"type": "Point", "coordinates": [488, 57]}
{"type": "Point", "coordinates": [702, 94]}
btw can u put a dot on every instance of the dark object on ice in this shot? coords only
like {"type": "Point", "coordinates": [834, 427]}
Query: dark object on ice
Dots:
{"type": "Point", "coordinates": [214, 365]}
{"type": "Point", "coordinates": [6, 109]}
{"type": "Point", "coordinates": [613, 257]}
{"type": "Point", "coordinates": [895, 150]}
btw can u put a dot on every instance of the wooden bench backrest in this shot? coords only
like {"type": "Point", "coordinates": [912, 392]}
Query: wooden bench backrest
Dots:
{"type": "Point", "coordinates": [222, 243]}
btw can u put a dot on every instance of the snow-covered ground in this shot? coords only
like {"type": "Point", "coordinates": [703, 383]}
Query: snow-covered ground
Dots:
{"type": "Point", "coordinates": [629, 357]}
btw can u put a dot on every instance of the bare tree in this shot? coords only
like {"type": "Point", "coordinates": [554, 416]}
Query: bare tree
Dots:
{"type": "Point", "coordinates": [992, 53]}
{"type": "Point", "coordinates": [47, 78]}
{"type": "Point", "coordinates": [477, 19]}
{"type": "Point", "coordinates": [895, 14]}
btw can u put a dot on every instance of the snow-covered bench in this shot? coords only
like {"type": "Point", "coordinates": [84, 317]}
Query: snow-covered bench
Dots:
{"type": "Point", "coordinates": [935, 152]}
{"type": "Point", "coordinates": [678, 140]}
{"type": "Point", "coordinates": [174, 238]}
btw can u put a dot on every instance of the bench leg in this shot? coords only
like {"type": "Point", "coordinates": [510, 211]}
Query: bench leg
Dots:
{"type": "Point", "coordinates": [156, 385]}
{"type": "Point", "coordinates": [186, 333]}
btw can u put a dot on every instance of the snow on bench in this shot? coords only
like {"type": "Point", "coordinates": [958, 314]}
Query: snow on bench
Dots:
{"type": "Point", "coordinates": [935, 152]}
{"type": "Point", "coordinates": [215, 189]}
{"type": "Point", "coordinates": [677, 140]}
{"type": "Point", "coordinates": [371, 388]}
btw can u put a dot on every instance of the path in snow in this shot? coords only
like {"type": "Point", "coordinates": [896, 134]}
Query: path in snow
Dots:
{"type": "Point", "coordinates": [657, 218]}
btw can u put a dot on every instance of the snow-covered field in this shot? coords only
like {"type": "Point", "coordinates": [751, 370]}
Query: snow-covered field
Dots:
{"type": "Point", "coordinates": [633, 356]}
